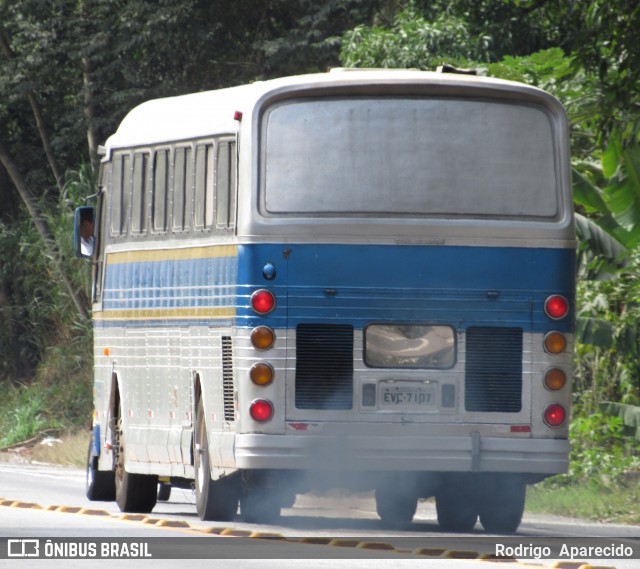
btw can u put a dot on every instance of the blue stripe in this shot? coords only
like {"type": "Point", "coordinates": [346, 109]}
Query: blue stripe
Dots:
{"type": "Point", "coordinates": [179, 283]}
{"type": "Point", "coordinates": [357, 284]}
{"type": "Point", "coordinates": [354, 284]}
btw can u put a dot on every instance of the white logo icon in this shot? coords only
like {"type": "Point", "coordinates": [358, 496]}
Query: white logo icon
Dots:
{"type": "Point", "coordinates": [23, 548]}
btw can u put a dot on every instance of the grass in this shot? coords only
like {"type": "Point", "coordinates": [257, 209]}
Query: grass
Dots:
{"type": "Point", "coordinates": [28, 410]}
{"type": "Point", "coordinates": [56, 403]}
{"type": "Point", "coordinates": [33, 418]}
{"type": "Point", "coordinates": [597, 500]}
{"type": "Point", "coordinates": [23, 413]}
{"type": "Point", "coordinates": [70, 451]}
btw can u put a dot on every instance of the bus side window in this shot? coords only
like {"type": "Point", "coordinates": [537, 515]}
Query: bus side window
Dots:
{"type": "Point", "coordinates": [182, 188]}
{"type": "Point", "coordinates": [225, 184]}
{"type": "Point", "coordinates": [126, 193]}
{"type": "Point", "coordinates": [160, 191]}
{"type": "Point", "coordinates": [120, 194]}
{"type": "Point", "coordinates": [115, 191]}
{"type": "Point", "coordinates": [204, 206]}
{"type": "Point", "coordinates": [139, 193]}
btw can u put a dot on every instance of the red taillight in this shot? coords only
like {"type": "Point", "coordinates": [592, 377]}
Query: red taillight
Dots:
{"type": "Point", "coordinates": [556, 307]}
{"type": "Point", "coordinates": [262, 301]}
{"type": "Point", "coordinates": [554, 415]}
{"type": "Point", "coordinates": [261, 410]}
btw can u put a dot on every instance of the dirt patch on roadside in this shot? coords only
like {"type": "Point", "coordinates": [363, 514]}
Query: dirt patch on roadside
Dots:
{"type": "Point", "coordinates": [67, 449]}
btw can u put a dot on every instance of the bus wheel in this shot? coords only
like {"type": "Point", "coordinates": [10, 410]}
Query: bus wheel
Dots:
{"type": "Point", "coordinates": [258, 502]}
{"type": "Point", "coordinates": [99, 484]}
{"type": "Point", "coordinates": [136, 493]}
{"type": "Point", "coordinates": [456, 508]}
{"type": "Point", "coordinates": [395, 507]}
{"type": "Point", "coordinates": [503, 504]}
{"type": "Point", "coordinates": [215, 500]}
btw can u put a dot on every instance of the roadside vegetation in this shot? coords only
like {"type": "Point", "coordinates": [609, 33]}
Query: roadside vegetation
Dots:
{"type": "Point", "coordinates": [70, 70]}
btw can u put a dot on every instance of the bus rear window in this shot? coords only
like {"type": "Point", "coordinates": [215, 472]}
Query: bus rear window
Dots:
{"type": "Point", "coordinates": [416, 157]}
{"type": "Point", "coordinates": [409, 346]}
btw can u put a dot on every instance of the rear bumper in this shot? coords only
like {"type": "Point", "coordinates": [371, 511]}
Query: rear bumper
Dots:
{"type": "Point", "coordinates": [473, 453]}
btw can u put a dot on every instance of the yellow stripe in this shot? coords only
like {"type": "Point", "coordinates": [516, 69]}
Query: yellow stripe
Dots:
{"type": "Point", "coordinates": [175, 254]}
{"type": "Point", "coordinates": [165, 313]}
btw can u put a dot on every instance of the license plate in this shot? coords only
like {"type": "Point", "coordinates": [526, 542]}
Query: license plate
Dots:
{"type": "Point", "coordinates": [407, 394]}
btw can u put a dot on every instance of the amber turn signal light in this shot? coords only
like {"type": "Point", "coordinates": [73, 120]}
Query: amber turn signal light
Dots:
{"type": "Point", "coordinates": [262, 338]}
{"type": "Point", "coordinates": [261, 373]}
{"type": "Point", "coordinates": [555, 343]}
{"type": "Point", "coordinates": [555, 379]}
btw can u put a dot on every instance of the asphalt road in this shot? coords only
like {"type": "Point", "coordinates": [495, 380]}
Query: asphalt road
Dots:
{"type": "Point", "coordinates": [41, 501]}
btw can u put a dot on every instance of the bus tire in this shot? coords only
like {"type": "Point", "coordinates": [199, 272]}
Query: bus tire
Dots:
{"type": "Point", "coordinates": [456, 508]}
{"type": "Point", "coordinates": [215, 500]}
{"type": "Point", "coordinates": [502, 506]}
{"type": "Point", "coordinates": [395, 508]}
{"type": "Point", "coordinates": [100, 485]}
{"type": "Point", "coordinates": [135, 493]}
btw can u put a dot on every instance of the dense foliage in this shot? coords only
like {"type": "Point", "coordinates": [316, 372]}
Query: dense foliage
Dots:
{"type": "Point", "coordinates": [70, 69]}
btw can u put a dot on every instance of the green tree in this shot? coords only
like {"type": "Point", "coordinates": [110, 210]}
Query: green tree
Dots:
{"type": "Point", "coordinates": [602, 36]}
{"type": "Point", "coordinates": [414, 41]}
{"type": "Point", "coordinates": [71, 69]}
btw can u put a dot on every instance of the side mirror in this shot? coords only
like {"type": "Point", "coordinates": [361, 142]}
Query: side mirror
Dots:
{"type": "Point", "coordinates": [83, 234]}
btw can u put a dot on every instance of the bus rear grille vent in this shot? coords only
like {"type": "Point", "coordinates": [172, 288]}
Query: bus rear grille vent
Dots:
{"type": "Point", "coordinates": [324, 366]}
{"type": "Point", "coordinates": [493, 374]}
{"type": "Point", "coordinates": [227, 378]}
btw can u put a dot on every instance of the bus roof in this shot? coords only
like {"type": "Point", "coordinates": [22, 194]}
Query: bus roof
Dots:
{"type": "Point", "coordinates": [207, 113]}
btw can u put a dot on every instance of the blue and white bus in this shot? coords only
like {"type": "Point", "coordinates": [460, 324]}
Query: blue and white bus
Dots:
{"type": "Point", "coordinates": [362, 279]}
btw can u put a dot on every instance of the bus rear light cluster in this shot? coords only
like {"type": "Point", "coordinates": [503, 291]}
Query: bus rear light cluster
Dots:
{"type": "Point", "coordinates": [262, 338]}
{"type": "Point", "coordinates": [555, 415]}
{"type": "Point", "coordinates": [555, 343]}
{"type": "Point", "coordinates": [555, 379]}
{"type": "Point", "coordinates": [556, 307]}
{"type": "Point", "coordinates": [263, 301]}
{"type": "Point", "coordinates": [261, 410]}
